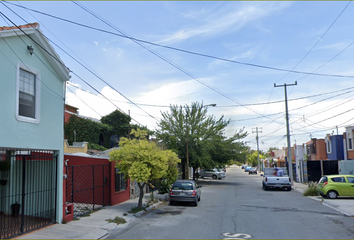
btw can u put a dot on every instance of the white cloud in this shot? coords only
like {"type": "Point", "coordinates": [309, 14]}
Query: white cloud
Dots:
{"type": "Point", "coordinates": [96, 43]}
{"type": "Point", "coordinates": [232, 17]}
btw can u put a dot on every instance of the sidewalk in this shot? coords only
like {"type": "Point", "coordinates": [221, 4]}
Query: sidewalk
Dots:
{"type": "Point", "coordinates": [342, 205]}
{"type": "Point", "coordinates": [94, 226]}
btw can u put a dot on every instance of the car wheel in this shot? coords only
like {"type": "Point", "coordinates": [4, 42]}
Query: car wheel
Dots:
{"type": "Point", "coordinates": [265, 187]}
{"type": "Point", "coordinates": [196, 202]}
{"type": "Point", "coordinates": [332, 194]}
{"type": "Point", "coordinates": [199, 198]}
{"type": "Point", "coordinates": [172, 203]}
{"type": "Point", "coordinates": [215, 177]}
{"type": "Point", "coordinates": [288, 189]}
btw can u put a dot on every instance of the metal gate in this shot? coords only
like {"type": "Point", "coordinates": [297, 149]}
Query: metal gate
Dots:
{"type": "Point", "coordinates": [28, 191]}
{"type": "Point", "coordinates": [88, 188]}
{"type": "Point", "coordinates": [330, 167]}
{"type": "Point", "coordinates": [314, 171]}
{"type": "Point", "coordinates": [318, 168]}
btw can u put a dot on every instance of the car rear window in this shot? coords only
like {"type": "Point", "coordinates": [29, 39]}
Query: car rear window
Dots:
{"type": "Point", "coordinates": [338, 179]}
{"type": "Point", "coordinates": [323, 180]}
{"type": "Point", "coordinates": [182, 186]}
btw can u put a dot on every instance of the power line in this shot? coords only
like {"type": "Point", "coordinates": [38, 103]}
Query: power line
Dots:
{"type": "Point", "coordinates": [84, 102]}
{"type": "Point", "coordinates": [186, 51]}
{"type": "Point", "coordinates": [317, 41]}
{"type": "Point", "coordinates": [64, 64]}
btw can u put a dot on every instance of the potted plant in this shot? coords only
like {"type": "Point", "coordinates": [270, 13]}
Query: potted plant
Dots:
{"type": "Point", "coordinates": [15, 209]}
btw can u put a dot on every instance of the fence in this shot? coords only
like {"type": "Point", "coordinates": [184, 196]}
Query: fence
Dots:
{"type": "Point", "coordinates": [88, 188]}
{"type": "Point", "coordinates": [318, 168]}
{"type": "Point", "coordinates": [28, 191]}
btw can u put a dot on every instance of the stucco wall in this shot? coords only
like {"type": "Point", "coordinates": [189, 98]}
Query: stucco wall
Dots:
{"type": "Point", "coordinates": [48, 133]}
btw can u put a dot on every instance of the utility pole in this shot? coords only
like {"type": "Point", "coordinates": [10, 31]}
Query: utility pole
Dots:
{"type": "Point", "coordinates": [257, 138]}
{"type": "Point", "coordinates": [290, 165]}
{"type": "Point", "coordinates": [337, 143]}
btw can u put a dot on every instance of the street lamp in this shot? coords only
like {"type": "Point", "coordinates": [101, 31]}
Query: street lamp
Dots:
{"type": "Point", "coordinates": [187, 153]}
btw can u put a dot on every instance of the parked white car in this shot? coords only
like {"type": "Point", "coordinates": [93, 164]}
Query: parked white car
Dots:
{"type": "Point", "coordinates": [213, 173]}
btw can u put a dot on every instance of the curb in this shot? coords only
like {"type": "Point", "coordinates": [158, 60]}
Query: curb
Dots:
{"type": "Point", "coordinates": [332, 206]}
{"type": "Point", "coordinates": [138, 214]}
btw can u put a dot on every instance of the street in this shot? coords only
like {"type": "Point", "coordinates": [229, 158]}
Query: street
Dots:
{"type": "Point", "coordinates": [237, 208]}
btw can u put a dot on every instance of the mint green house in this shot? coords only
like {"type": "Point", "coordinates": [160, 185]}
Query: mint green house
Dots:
{"type": "Point", "coordinates": [32, 96]}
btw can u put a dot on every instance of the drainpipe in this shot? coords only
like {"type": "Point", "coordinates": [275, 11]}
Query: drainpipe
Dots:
{"type": "Point", "coordinates": [345, 149]}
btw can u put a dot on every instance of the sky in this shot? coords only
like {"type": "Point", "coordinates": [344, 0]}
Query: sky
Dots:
{"type": "Point", "coordinates": [147, 55]}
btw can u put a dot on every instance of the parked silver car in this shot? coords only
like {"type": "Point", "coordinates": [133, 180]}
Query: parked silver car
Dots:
{"type": "Point", "coordinates": [213, 173]}
{"type": "Point", "coordinates": [185, 191]}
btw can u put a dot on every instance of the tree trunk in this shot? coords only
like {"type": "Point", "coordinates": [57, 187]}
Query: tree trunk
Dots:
{"type": "Point", "coordinates": [141, 195]}
{"type": "Point", "coordinates": [193, 173]}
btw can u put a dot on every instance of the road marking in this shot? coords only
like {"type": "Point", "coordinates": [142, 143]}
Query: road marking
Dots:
{"type": "Point", "coordinates": [236, 236]}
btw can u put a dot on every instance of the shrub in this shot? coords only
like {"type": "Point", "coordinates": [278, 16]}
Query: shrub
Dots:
{"type": "Point", "coordinates": [95, 146]}
{"type": "Point", "coordinates": [164, 187]}
{"type": "Point", "coordinates": [312, 189]}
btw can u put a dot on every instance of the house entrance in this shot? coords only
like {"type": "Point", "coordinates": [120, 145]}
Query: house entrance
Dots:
{"type": "Point", "coordinates": [28, 191]}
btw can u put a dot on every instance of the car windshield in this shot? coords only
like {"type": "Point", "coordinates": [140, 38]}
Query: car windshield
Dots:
{"type": "Point", "coordinates": [182, 186]}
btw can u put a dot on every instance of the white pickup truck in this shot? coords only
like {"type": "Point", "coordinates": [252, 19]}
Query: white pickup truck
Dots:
{"type": "Point", "coordinates": [271, 180]}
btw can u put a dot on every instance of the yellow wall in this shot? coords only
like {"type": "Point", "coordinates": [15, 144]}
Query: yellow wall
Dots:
{"type": "Point", "coordinates": [72, 149]}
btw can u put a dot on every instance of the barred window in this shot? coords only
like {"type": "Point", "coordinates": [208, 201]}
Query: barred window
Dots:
{"type": "Point", "coordinates": [120, 183]}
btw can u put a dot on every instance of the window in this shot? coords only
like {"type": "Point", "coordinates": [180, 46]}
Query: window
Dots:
{"type": "Point", "coordinates": [323, 180]}
{"type": "Point", "coordinates": [329, 145]}
{"type": "Point", "coordinates": [350, 179]}
{"type": "Point", "coordinates": [338, 179]}
{"type": "Point", "coordinates": [350, 144]}
{"type": "Point", "coordinates": [120, 183]}
{"type": "Point", "coordinates": [28, 94]}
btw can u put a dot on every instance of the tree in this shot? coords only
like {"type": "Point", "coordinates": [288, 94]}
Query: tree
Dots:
{"type": "Point", "coordinates": [85, 130]}
{"type": "Point", "coordinates": [253, 157]}
{"type": "Point", "coordinates": [119, 121]}
{"type": "Point", "coordinates": [141, 160]}
{"type": "Point", "coordinates": [189, 128]}
{"type": "Point", "coordinates": [223, 149]}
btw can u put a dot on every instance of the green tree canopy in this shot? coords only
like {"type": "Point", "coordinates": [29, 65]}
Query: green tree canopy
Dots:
{"type": "Point", "coordinates": [252, 158]}
{"type": "Point", "coordinates": [141, 160]}
{"type": "Point", "coordinates": [119, 122]}
{"type": "Point", "coordinates": [190, 126]}
{"type": "Point", "coordinates": [86, 130]}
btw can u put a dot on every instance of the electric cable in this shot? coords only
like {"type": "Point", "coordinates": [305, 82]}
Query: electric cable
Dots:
{"type": "Point", "coordinates": [186, 51]}
{"type": "Point", "coordinates": [335, 20]}
{"type": "Point", "coordinates": [58, 60]}
{"type": "Point", "coordinates": [84, 102]}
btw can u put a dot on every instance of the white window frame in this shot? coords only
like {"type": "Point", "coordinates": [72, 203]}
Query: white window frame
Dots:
{"type": "Point", "coordinates": [36, 119]}
{"type": "Point", "coordinates": [350, 139]}
{"type": "Point", "coordinates": [329, 145]}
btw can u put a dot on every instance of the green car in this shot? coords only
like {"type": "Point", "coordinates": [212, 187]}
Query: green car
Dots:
{"type": "Point", "coordinates": [332, 186]}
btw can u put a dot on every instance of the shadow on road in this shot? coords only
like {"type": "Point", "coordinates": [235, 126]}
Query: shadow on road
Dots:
{"type": "Point", "coordinates": [216, 182]}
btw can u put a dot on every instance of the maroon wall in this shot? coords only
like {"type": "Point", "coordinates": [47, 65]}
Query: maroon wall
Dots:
{"type": "Point", "coordinates": [92, 173]}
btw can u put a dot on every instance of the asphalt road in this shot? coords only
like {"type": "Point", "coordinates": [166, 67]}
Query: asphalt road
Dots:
{"type": "Point", "coordinates": [238, 208]}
